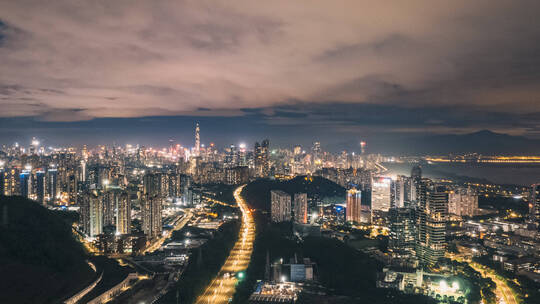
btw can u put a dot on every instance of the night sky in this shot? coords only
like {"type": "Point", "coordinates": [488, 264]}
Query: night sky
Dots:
{"type": "Point", "coordinates": [75, 72]}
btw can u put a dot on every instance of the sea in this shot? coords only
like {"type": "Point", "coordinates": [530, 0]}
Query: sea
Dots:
{"type": "Point", "coordinates": [510, 174]}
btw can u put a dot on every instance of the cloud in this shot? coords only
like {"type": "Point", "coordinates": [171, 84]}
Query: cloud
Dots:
{"type": "Point", "coordinates": [82, 60]}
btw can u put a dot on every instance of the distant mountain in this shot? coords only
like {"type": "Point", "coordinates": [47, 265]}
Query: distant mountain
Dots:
{"type": "Point", "coordinates": [41, 262]}
{"type": "Point", "coordinates": [484, 141]}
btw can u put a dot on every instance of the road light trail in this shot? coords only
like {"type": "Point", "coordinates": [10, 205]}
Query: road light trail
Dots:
{"type": "Point", "coordinates": [502, 290]}
{"type": "Point", "coordinates": [222, 288]}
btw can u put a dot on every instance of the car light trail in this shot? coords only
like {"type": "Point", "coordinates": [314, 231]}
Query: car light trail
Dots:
{"type": "Point", "coordinates": [222, 288]}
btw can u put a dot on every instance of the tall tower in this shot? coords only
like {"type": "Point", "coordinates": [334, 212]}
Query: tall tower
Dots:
{"type": "Point", "coordinates": [197, 140]}
{"type": "Point", "coordinates": [431, 220]}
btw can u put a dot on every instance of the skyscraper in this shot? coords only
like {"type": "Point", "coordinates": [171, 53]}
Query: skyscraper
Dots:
{"type": "Point", "coordinates": [280, 206]}
{"type": "Point", "coordinates": [40, 186]}
{"type": "Point", "coordinates": [381, 194]}
{"type": "Point", "coordinates": [25, 183]}
{"type": "Point", "coordinates": [402, 191]}
{"type": "Point", "coordinates": [300, 208]}
{"type": "Point", "coordinates": [353, 212]}
{"type": "Point", "coordinates": [431, 221]}
{"type": "Point", "coordinates": [123, 214]}
{"type": "Point", "coordinates": [52, 183]}
{"type": "Point", "coordinates": [197, 141]}
{"type": "Point", "coordinates": [261, 154]}
{"type": "Point", "coordinates": [151, 205]}
{"type": "Point", "coordinates": [402, 231]}
{"type": "Point", "coordinates": [92, 213]}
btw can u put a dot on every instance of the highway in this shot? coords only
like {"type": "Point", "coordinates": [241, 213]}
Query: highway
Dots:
{"type": "Point", "coordinates": [502, 291]}
{"type": "Point", "coordinates": [222, 288]}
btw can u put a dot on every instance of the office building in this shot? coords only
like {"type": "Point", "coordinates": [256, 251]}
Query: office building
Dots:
{"type": "Point", "coordinates": [25, 183]}
{"type": "Point", "coordinates": [52, 184]}
{"type": "Point", "coordinates": [402, 231]}
{"type": "Point", "coordinates": [381, 194]}
{"type": "Point", "coordinates": [40, 186]}
{"type": "Point", "coordinates": [402, 191]}
{"type": "Point", "coordinates": [353, 210]}
{"type": "Point", "coordinates": [281, 206]}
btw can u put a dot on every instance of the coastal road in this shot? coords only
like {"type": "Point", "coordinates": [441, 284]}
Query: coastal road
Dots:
{"type": "Point", "coordinates": [222, 288]}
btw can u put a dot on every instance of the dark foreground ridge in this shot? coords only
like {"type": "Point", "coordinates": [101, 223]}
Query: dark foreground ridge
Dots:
{"type": "Point", "coordinates": [41, 260]}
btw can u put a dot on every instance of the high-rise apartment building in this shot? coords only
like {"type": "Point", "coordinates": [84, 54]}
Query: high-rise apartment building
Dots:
{"type": "Point", "coordinates": [92, 213]}
{"type": "Point", "coordinates": [151, 205]}
{"type": "Point", "coordinates": [25, 183]}
{"type": "Point", "coordinates": [463, 202]}
{"type": "Point", "coordinates": [300, 204]}
{"type": "Point", "coordinates": [280, 206]}
{"type": "Point", "coordinates": [123, 213]}
{"type": "Point", "coordinates": [40, 186]}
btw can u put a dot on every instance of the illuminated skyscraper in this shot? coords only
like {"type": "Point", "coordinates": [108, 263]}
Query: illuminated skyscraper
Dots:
{"type": "Point", "coordinates": [151, 205]}
{"type": "Point", "coordinates": [123, 214]}
{"type": "Point", "coordinates": [300, 208]}
{"type": "Point", "coordinates": [52, 183]}
{"type": "Point", "coordinates": [431, 221]}
{"type": "Point", "coordinates": [281, 206]}
{"type": "Point", "coordinates": [402, 231]}
{"type": "Point", "coordinates": [353, 213]}
{"type": "Point", "coordinates": [92, 213]}
{"type": "Point", "coordinates": [262, 165]}
{"type": "Point", "coordinates": [402, 192]}
{"type": "Point", "coordinates": [197, 140]}
{"type": "Point", "coordinates": [40, 185]}
{"type": "Point", "coordinates": [381, 194]}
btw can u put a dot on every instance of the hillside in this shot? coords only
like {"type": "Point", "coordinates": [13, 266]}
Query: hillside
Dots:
{"type": "Point", "coordinates": [41, 260]}
{"type": "Point", "coordinates": [257, 193]}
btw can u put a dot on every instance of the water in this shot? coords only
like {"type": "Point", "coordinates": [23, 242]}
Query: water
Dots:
{"type": "Point", "coordinates": [519, 174]}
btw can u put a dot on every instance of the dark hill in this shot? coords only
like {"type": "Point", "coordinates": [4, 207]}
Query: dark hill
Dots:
{"type": "Point", "coordinates": [257, 193]}
{"type": "Point", "coordinates": [41, 262]}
